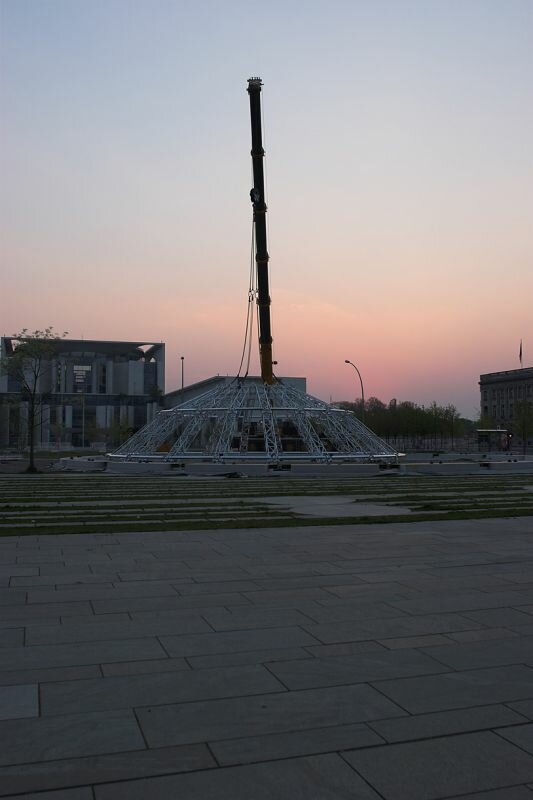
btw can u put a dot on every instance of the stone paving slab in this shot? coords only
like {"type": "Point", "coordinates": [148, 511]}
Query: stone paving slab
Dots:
{"type": "Point", "coordinates": [393, 627]}
{"type": "Point", "coordinates": [254, 618]}
{"type": "Point", "coordinates": [482, 634]}
{"type": "Point", "coordinates": [289, 597]}
{"type": "Point", "coordinates": [443, 767]}
{"type": "Point", "coordinates": [69, 735]}
{"type": "Point", "coordinates": [13, 570]}
{"type": "Point", "coordinates": [198, 644]}
{"type": "Point", "coordinates": [10, 637]}
{"type": "Point", "coordinates": [270, 663]}
{"type": "Point", "coordinates": [307, 582]}
{"type": "Point", "coordinates": [316, 778]}
{"type": "Point", "coordinates": [12, 678]}
{"type": "Point", "coordinates": [69, 578]}
{"type": "Point", "coordinates": [145, 605]}
{"type": "Point", "coordinates": [442, 723]}
{"type": "Point", "coordinates": [514, 793]}
{"type": "Point", "coordinates": [524, 707]}
{"type": "Point", "coordinates": [343, 649]}
{"type": "Point", "coordinates": [148, 667]}
{"type": "Point", "coordinates": [521, 736]}
{"type": "Point", "coordinates": [19, 614]}
{"type": "Point", "coordinates": [522, 630]}
{"type": "Point", "coordinates": [62, 655]}
{"type": "Point", "coordinates": [10, 597]}
{"type": "Point", "coordinates": [369, 666]}
{"type": "Point", "coordinates": [350, 611]}
{"type": "Point", "coordinates": [495, 617]}
{"type": "Point", "coordinates": [465, 602]}
{"type": "Point", "coordinates": [409, 642]}
{"type": "Point", "coordinates": [83, 793]}
{"type": "Point", "coordinates": [288, 745]}
{"type": "Point", "coordinates": [187, 723]}
{"type": "Point", "coordinates": [104, 768]}
{"type": "Point", "coordinates": [19, 701]}
{"type": "Point", "coordinates": [460, 689]}
{"type": "Point", "coordinates": [216, 588]}
{"type": "Point", "coordinates": [83, 591]}
{"type": "Point", "coordinates": [248, 657]}
{"type": "Point", "coordinates": [160, 689]}
{"type": "Point", "coordinates": [486, 654]}
{"type": "Point", "coordinates": [72, 631]}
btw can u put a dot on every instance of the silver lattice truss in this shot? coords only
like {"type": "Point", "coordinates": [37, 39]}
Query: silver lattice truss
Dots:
{"type": "Point", "coordinates": [248, 420]}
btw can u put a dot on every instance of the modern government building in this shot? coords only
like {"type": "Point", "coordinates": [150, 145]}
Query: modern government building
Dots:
{"type": "Point", "coordinates": [92, 393]}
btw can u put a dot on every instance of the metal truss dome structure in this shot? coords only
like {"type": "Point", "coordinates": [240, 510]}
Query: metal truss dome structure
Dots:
{"type": "Point", "coordinates": [248, 420]}
{"type": "Point", "coordinates": [252, 419]}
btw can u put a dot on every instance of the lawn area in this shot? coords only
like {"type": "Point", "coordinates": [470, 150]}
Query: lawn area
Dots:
{"type": "Point", "coordinates": [100, 503]}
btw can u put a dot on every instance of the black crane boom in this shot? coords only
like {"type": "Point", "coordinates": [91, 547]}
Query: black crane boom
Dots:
{"type": "Point", "coordinates": [257, 196]}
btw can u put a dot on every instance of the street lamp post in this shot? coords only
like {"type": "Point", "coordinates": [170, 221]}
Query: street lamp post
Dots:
{"type": "Point", "coordinates": [347, 361]}
{"type": "Point", "coordinates": [182, 380]}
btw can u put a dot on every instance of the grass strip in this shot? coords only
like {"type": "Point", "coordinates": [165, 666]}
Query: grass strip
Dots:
{"type": "Point", "coordinates": [281, 522]}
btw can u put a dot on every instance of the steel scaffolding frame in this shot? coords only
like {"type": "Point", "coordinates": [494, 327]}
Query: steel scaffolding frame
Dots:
{"type": "Point", "coordinates": [245, 420]}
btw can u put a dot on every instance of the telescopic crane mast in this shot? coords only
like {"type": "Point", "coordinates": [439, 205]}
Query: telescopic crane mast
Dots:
{"type": "Point", "coordinates": [257, 196]}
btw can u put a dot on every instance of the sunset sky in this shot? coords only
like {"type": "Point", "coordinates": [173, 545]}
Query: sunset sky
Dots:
{"type": "Point", "coordinates": [399, 139]}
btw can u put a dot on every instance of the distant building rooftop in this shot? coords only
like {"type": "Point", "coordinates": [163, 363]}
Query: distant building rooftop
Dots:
{"type": "Point", "coordinates": [139, 349]}
{"type": "Point", "coordinates": [525, 373]}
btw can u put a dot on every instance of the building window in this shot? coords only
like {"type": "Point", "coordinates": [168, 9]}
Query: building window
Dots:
{"type": "Point", "coordinates": [82, 377]}
{"type": "Point", "coordinates": [58, 377]}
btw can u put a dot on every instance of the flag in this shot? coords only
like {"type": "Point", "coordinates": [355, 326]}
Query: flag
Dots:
{"type": "Point", "coordinates": [520, 353]}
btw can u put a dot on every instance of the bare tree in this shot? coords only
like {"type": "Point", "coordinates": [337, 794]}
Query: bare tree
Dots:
{"type": "Point", "coordinates": [29, 365]}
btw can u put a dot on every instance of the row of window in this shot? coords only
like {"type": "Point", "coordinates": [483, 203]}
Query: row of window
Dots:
{"type": "Point", "coordinates": [510, 392]}
{"type": "Point", "coordinates": [504, 412]}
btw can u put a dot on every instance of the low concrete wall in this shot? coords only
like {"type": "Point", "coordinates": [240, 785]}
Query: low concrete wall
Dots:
{"type": "Point", "coordinates": [82, 464]}
{"type": "Point", "coordinates": [299, 470]}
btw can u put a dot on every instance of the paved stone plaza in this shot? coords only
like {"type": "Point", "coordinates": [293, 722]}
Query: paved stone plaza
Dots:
{"type": "Point", "coordinates": [354, 661]}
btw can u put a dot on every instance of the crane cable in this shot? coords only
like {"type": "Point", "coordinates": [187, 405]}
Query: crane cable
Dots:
{"type": "Point", "coordinates": [252, 297]}
{"type": "Point", "coordinates": [247, 344]}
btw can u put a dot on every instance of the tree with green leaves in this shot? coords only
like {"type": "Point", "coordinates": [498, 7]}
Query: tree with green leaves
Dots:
{"type": "Point", "coordinates": [485, 422]}
{"type": "Point", "coordinates": [29, 365]}
{"type": "Point", "coordinates": [406, 424]}
{"type": "Point", "coordinates": [523, 421]}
